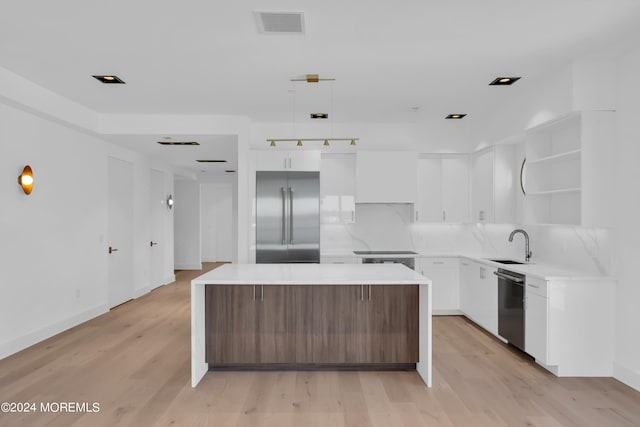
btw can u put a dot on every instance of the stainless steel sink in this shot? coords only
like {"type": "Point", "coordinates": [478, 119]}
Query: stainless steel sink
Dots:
{"type": "Point", "coordinates": [506, 261]}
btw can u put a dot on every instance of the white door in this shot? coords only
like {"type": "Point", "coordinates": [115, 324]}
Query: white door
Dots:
{"type": "Point", "coordinates": [429, 200]}
{"type": "Point", "coordinates": [158, 211]}
{"type": "Point", "coordinates": [482, 187]}
{"type": "Point", "coordinates": [120, 231]}
{"type": "Point", "coordinates": [217, 222]}
{"type": "Point", "coordinates": [455, 188]}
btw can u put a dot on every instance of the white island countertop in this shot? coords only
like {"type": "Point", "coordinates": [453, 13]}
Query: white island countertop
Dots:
{"type": "Point", "coordinates": [311, 274]}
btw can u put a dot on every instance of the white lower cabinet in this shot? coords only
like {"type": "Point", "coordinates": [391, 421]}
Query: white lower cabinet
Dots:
{"type": "Point", "coordinates": [467, 274]}
{"type": "Point", "coordinates": [443, 272]}
{"type": "Point", "coordinates": [536, 320]}
{"type": "Point", "coordinates": [487, 298]}
{"type": "Point", "coordinates": [479, 294]}
{"type": "Point", "coordinates": [569, 325]}
{"type": "Point", "coordinates": [569, 322]}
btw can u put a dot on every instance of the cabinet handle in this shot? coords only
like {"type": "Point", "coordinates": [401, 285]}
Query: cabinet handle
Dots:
{"type": "Point", "coordinates": [438, 262]}
{"type": "Point", "coordinates": [254, 292]}
{"type": "Point", "coordinates": [285, 162]}
{"type": "Point", "coordinates": [524, 161]}
{"type": "Point", "coordinates": [444, 215]}
{"type": "Point", "coordinates": [533, 286]}
{"type": "Point", "coordinates": [284, 217]}
{"type": "Point", "coordinates": [369, 292]}
{"type": "Point", "coordinates": [261, 292]}
{"type": "Point", "coordinates": [112, 250]}
{"type": "Point", "coordinates": [289, 162]}
{"type": "Point", "coordinates": [361, 292]}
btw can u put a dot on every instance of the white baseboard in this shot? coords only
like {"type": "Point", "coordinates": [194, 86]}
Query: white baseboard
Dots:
{"type": "Point", "coordinates": [626, 375]}
{"type": "Point", "coordinates": [188, 267]}
{"type": "Point", "coordinates": [18, 344]}
{"type": "Point", "coordinates": [169, 279]}
{"type": "Point", "coordinates": [139, 292]}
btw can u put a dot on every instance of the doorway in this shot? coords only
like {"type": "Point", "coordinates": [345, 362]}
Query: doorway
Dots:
{"type": "Point", "coordinates": [157, 211]}
{"type": "Point", "coordinates": [120, 232]}
{"type": "Point", "coordinates": [217, 222]}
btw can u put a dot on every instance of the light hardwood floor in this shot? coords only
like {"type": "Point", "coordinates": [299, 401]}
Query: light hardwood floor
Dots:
{"type": "Point", "coordinates": [134, 361]}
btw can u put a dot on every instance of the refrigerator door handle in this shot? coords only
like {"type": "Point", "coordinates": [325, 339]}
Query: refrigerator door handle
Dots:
{"type": "Point", "coordinates": [290, 216]}
{"type": "Point", "coordinates": [284, 218]}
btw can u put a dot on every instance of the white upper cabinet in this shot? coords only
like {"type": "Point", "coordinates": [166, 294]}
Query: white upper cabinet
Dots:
{"type": "Point", "coordinates": [293, 160]}
{"type": "Point", "coordinates": [337, 188]}
{"type": "Point", "coordinates": [443, 188]}
{"type": "Point", "coordinates": [567, 175]}
{"type": "Point", "coordinates": [494, 176]}
{"type": "Point", "coordinates": [386, 177]}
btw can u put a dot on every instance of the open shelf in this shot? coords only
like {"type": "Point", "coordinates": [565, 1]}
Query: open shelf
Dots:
{"type": "Point", "coordinates": [558, 191]}
{"type": "Point", "coordinates": [566, 156]}
{"type": "Point", "coordinates": [566, 175]}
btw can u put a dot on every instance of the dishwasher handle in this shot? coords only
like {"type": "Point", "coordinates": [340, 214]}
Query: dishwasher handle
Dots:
{"type": "Point", "coordinates": [515, 279]}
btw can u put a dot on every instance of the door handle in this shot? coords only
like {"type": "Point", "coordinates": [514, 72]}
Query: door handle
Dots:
{"type": "Point", "coordinates": [112, 250]}
{"type": "Point", "coordinates": [290, 216]}
{"type": "Point", "coordinates": [284, 219]}
{"type": "Point", "coordinates": [152, 243]}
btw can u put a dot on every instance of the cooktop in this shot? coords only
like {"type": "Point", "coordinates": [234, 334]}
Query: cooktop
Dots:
{"type": "Point", "coordinates": [385, 253]}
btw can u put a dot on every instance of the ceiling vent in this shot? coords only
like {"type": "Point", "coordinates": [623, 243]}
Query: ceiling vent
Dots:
{"type": "Point", "coordinates": [280, 22]}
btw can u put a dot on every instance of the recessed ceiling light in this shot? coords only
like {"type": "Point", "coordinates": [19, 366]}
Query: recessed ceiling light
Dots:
{"type": "Point", "coordinates": [319, 115]}
{"type": "Point", "coordinates": [455, 116]}
{"type": "Point", "coordinates": [504, 81]}
{"type": "Point", "coordinates": [178, 143]}
{"type": "Point", "coordinates": [109, 79]}
{"type": "Point", "coordinates": [211, 161]}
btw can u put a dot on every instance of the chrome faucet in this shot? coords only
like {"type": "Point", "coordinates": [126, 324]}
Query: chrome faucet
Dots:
{"type": "Point", "coordinates": [527, 252]}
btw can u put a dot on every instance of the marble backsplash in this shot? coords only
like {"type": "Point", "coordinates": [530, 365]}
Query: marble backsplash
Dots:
{"type": "Point", "coordinates": [391, 227]}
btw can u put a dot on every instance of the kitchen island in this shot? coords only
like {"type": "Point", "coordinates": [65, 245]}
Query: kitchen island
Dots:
{"type": "Point", "coordinates": [310, 316]}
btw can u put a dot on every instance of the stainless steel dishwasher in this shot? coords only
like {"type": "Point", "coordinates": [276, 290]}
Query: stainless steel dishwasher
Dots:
{"type": "Point", "coordinates": [511, 307]}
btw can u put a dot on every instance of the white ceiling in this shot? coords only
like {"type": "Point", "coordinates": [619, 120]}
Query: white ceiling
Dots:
{"type": "Point", "coordinates": [207, 56]}
{"type": "Point", "coordinates": [212, 147]}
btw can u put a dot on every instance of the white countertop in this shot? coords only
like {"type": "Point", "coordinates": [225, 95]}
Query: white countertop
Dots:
{"type": "Point", "coordinates": [543, 271]}
{"type": "Point", "coordinates": [311, 274]}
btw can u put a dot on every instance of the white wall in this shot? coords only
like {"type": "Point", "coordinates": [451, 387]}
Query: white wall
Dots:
{"type": "Point", "coordinates": [186, 207]}
{"type": "Point", "coordinates": [53, 243]}
{"type": "Point", "coordinates": [218, 215]}
{"type": "Point", "coordinates": [627, 209]}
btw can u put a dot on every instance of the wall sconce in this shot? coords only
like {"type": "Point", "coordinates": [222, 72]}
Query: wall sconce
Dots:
{"type": "Point", "coordinates": [170, 202]}
{"type": "Point", "coordinates": [26, 180]}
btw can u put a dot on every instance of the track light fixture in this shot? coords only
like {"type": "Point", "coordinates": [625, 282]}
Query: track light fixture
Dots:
{"type": "Point", "coordinates": [299, 141]}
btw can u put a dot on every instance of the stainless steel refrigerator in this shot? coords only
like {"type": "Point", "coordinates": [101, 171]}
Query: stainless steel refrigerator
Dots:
{"type": "Point", "coordinates": [287, 217]}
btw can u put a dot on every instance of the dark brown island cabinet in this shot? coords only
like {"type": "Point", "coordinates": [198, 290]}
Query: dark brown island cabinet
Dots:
{"type": "Point", "coordinates": [311, 326]}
